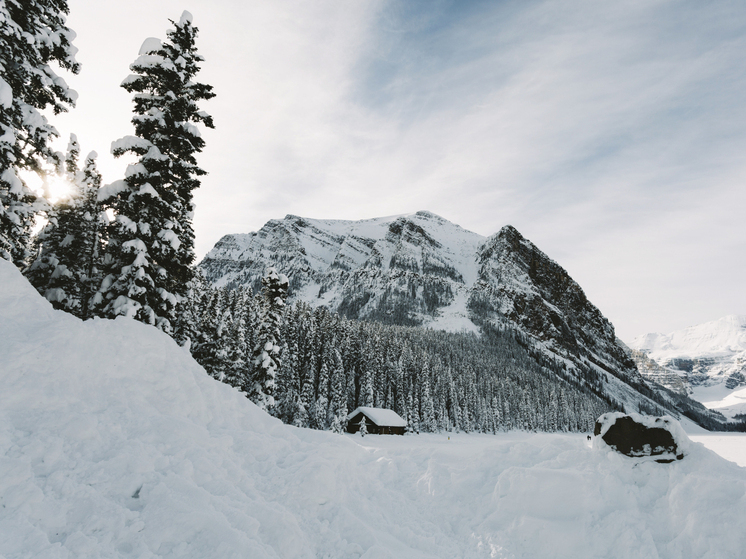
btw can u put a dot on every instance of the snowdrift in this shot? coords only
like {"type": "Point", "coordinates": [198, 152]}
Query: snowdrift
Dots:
{"type": "Point", "coordinates": [115, 443]}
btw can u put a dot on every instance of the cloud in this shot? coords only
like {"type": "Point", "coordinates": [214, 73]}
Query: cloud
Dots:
{"type": "Point", "coordinates": [610, 134]}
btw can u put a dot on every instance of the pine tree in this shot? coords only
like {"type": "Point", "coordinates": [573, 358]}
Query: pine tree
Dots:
{"type": "Point", "coordinates": [152, 240]}
{"type": "Point", "coordinates": [33, 37]}
{"type": "Point", "coordinates": [66, 269]}
{"type": "Point", "coordinates": [338, 405]}
{"type": "Point", "coordinates": [266, 356]}
{"type": "Point", "coordinates": [336, 426]}
{"type": "Point", "coordinates": [189, 312]}
{"type": "Point", "coordinates": [428, 411]}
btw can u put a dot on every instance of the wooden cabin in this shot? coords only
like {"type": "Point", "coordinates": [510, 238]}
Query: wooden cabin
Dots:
{"type": "Point", "coordinates": [378, 421]}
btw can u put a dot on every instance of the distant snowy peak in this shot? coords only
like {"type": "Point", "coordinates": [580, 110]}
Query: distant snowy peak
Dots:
{"type": "Point", "coordinates": [720, 337]}
{"type": "Point", "coordinates": [706, 355]}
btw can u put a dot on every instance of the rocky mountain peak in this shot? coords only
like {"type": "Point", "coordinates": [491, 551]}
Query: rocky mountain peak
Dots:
{"type": "Point", "coordinates": [520, 283]}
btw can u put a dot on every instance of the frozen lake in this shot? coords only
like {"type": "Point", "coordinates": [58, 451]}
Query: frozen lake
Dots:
{"type": "Point", "coordinates": [731, 446]}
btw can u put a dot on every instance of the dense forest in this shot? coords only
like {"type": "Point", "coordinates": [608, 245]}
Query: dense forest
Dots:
{"type": "Point", "coordinates": [328, 365]}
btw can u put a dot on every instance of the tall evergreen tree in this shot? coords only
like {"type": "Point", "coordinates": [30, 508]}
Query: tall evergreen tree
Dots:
{"type": "Point", "coordinates": [266, 355]}
{"type": "Point", "coordinates": [66, 268]}
{"type": "Point", "coordinates": [33, 36]}
{"type": "Point", "coordinates": [152, 240]}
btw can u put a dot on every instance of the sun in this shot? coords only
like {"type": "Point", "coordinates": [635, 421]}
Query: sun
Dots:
{"type": "Point", "coordinates": [57, 188]}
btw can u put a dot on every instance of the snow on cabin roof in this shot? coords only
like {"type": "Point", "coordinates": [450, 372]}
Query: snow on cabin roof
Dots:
{"type": "Point", "coordinates": [379, 416]}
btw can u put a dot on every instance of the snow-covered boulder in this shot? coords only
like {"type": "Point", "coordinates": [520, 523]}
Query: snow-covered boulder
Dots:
{"type": "Point", "coordinates": [639, 435]}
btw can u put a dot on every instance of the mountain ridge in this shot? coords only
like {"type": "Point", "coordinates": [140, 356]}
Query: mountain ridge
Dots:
{"type": "Point", "coordinates": [708, 360]}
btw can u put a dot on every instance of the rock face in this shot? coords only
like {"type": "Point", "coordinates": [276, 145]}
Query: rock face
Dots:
{"type": "Point", "coordinates": [519, 283]}
{"type": "Point", "coordinates": [412, 270]}
{"type": "Point", "coordinates": [669, 378]}
{"type": "Point", "coordinates": [638, 436]}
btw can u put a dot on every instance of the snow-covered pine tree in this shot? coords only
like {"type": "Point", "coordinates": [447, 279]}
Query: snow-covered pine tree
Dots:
{"type": "Point", "coordinates": [363, 427]}
{"type": "Point", "coordinates": [190, 311]}
{"type": "Point", "coordinates": [152, 241]}
{"type": "Point", "coordinates": [336, 426]}
{"type": "Point", "coordinates": [266, 356]}
{"type": "Point", "coordinates": [428, 410]}
{"type": "Point", "coordinates": [33, 36]}
{"type": "Point", "coordinates": [66, 268]}
{"type": "Point", "coordinates": [338, 404]}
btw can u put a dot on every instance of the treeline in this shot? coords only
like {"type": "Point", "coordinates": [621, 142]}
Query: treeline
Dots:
{"type": "Point", "coordinates": [436, 381]}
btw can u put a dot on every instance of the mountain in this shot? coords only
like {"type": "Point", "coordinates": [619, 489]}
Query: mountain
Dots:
{"type": "Point", "coordinates": [709, 361]}
{"type": "Point", "coordinates": [422, 270]}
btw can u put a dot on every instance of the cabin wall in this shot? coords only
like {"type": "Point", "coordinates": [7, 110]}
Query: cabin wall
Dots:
{"type": "Point", "coordinates": [353, 426]}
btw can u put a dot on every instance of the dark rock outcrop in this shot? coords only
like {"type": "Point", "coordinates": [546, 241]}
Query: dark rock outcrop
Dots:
{"type": "Point", "coordinates": [520, 284]}
{"type": "Point", "coordinates": [639, 436]}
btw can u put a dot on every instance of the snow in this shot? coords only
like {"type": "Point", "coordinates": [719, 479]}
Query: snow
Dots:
{"type": "Point", "coordinates": [170, 236]}
{"type": "Point", "coordinates": [9, 176]}
{"type": "Point", "coordinates": [6, 94]}
{"type": "Point", "coordinates": [135, 169]}
{"type": "Point", "coordinates": [115, 443]}
{"type": "Point", "coordinates": [380, 416]}
{"type": "Point", "coordinates": [128, 143]}
{"type": "Point", "coordinates": [454, 317]}
{"type": "Point", "coordinates": [151, 44]}
{"type": "Point", "coordinates": [727, 401]}
{"type": "Point", "coordinates": [731, 446]}
{"type": "Point", "coordinates": [109, 191]}
{"type": "Point", "coordinates": [720, 337]}
{"type": "Point", "coordinates": [186, 17]}
{"type": "Point", "coordinates": [147, 189]}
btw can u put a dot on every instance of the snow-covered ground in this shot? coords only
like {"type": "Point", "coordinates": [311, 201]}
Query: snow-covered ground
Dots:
{"type": "Point", "coordinates": [731, 446]}
{"type": "Point", "coordinates": [115, 443]}
{"type": "Point", "coordinates": [727, 401]}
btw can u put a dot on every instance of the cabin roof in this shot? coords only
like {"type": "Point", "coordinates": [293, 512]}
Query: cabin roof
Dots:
{"type": "Point", "coordinates": [380, 416]}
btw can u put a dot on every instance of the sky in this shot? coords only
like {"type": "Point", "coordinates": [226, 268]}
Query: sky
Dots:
{"type": "Point", "coordinates": [610, 134]}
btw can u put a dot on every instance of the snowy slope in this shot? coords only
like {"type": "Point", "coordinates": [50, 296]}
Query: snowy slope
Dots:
{"type": "Point", "coordinates": [115, 443]}
{"type": "Point", "coordinates": [709, 357]}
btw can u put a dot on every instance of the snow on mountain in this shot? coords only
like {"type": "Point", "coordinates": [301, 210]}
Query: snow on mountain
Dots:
{"type": "Point", "coordinates": [719, 338]}
{"type": "Point", "coordinates": [420, 269]}
{"type": "Point", "coordinates": [710, 359]}
{"type": "Point", "coordinates": [115, 443]}
{"type": "Point", "coordinates": [368, 268]}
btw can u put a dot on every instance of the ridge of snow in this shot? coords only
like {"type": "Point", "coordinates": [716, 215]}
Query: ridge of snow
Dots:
{"type": "Point", "coordinates": [151, 44]}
